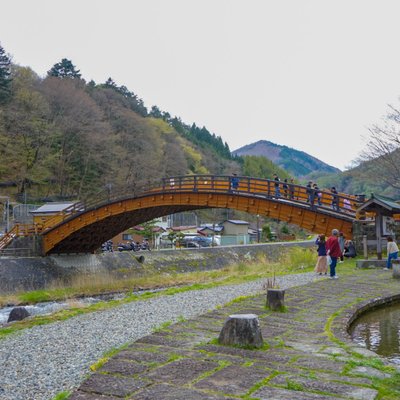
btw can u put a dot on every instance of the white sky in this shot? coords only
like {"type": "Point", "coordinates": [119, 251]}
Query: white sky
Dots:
{"type": "Point", "coordinates": [309, 74]}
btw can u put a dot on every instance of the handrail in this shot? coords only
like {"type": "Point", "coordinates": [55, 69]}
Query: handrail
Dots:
{"type": "Point", "coordinates": [267, 188]}
{"type": "Point", "coordinates": [345, 204]}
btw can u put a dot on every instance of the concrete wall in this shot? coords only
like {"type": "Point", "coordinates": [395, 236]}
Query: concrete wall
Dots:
{"type": "Point", "coordinates": [32, 273]}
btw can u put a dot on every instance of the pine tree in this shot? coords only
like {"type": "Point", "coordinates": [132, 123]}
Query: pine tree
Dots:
{"type": "Point", "coordinates": [5, 76]}
{"type": "Point", "coordinates": [64, 69]}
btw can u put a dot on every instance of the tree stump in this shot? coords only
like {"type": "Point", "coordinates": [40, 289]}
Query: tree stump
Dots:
{"type": "Point", "coordinates": [276, 299]}
{"type": "Point", "coordinates": [241, 330]}
{"type": "Point", "coordinates": [396, 269]}
{"type": "Point", "coordinates": [18, 314]}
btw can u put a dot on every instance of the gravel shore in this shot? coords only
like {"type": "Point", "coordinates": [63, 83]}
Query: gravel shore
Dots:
{"type": "Point", "coordinates": [40, 362]}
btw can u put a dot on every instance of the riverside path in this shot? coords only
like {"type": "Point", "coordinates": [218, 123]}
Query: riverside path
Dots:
{"type": "Point", "coordinates": [308, 353]}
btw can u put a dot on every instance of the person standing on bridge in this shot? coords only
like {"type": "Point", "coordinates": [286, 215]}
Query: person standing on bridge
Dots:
{"type": "Point", "coordinates": [335, 199]}
{"type": "Point", "coordinates": [276, 184]}
{"type": "Point", "coordinates": [333, 251]}
{"type": "Point", "coordinates": [310, 193]}
{"type": "Point", "coordinates": [291, 189]}
{"type": "Point", "coordinates": [234, 182]}
{"type": "Point", "coordinates": [317, 193]}
{"type": "Point", "coordinates": [322, 262]}
{"type": "Point", "coordinates": [285, 188]}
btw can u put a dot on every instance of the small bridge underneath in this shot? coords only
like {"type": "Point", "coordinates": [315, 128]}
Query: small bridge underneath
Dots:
{"type": "Point", "coordinates": [84, 227]}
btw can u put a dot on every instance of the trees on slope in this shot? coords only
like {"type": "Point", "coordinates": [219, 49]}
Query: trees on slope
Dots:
{"type": "Point", "coordinates": [383, 150]}
{"type": "Point", "coordinates": [5, 76]}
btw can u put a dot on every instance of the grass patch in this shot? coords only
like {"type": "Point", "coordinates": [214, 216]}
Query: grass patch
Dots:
{"type": "Point", "coordinates": [292, 385]}
{"type": "Point", "coordinates": [264, 347]}
{"type": "Point", "coordinates": [99, 363]}
{"type": "Point", "coordinates": [293, 261]}
{"type": "Point", "coordinates": [62, 396]}
{"type": "Point", "coordinates": [164, 327]}
{"type": "Point", "coordinates": [221, 365]}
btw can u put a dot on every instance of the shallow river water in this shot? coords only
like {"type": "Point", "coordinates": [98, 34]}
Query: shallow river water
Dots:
{"type": "Point", "coordinates": [379, 331]}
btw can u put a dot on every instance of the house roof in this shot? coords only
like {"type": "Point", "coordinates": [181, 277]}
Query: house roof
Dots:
{"type": "Point", "coordinates": [183, 228]}
{"type": "Point", "coordinates": [237, 222]}
{"type": "Point", "coordinates": [51, 208]}
{"type": "Point", "coordinates": [217, 228]}
{"type": "Point", "coordinates": [381, 204]}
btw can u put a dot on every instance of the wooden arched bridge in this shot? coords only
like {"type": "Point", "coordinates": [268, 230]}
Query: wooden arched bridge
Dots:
{"type": "Point", "coordinates": [83, 228]}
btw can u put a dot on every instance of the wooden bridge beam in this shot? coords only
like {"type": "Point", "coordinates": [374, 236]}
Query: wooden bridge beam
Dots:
{"type": "Point", "coordinates": [88, 230]}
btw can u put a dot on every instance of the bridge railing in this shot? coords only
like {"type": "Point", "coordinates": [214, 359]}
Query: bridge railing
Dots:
{"type": "Point", "coordinates": [219, 184]}
{"type": "Point", "coordinates": [339, 202]}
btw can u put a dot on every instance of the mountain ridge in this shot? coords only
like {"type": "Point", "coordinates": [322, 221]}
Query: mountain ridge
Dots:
{"type": "Point", "coordinates": [296, 162]}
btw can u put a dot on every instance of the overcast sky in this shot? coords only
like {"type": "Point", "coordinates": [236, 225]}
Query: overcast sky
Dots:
{"type": "Point", "coordinates": [309, 74]}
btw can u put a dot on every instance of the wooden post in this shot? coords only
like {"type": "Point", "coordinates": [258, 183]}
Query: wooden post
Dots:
{"type": "Point", "coordinates": [276, 299]}
{"type": "Point", "coordinates": [378, 230]}
{"type": "Point", "coordinates": [365, 247]}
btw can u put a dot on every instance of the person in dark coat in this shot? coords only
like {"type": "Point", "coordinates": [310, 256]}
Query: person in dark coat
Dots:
{"type": "Point", "coordinates": [349, 249]}
{"type": "Point", "coordinates": [234, 182]}
{"type": "Point", "coordinates": [310, 193]}
{"type": "Point", "coordinates": [276, 184]}
{"type": "Point", "coordinates": [335, 199]}
{"type": "Point", "coordinates": [322, 263]}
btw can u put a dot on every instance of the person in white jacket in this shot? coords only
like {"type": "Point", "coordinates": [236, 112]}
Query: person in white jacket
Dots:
{"type": "Point", "coordinates": [392, 252]}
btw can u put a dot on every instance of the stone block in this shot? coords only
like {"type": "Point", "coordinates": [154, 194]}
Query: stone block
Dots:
{"type": "Point", "coordinates": [396, 269]}
{"type": "Point", "coordinates": [371, 264]}
{"type": "Point", "coordinates": [241, 330]}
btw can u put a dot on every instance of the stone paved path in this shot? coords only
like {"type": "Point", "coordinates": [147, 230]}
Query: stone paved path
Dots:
{"type": "Point", "coordinates": [309, 353]}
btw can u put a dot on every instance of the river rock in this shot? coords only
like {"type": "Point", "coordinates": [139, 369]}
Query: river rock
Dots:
{"type": "Point", "coordinates": [18, 314]}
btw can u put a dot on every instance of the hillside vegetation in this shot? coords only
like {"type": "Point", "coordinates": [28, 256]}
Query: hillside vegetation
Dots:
{"type": "Point", "coordinates": [64, 138]}
{"type": "Point", "coordinates": [61, 137]}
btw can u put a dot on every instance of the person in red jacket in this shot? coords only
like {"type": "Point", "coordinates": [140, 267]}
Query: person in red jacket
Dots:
{"type": "Point", "coordinates": [333, 250]}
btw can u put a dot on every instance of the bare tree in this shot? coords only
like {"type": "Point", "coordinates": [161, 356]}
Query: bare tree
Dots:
{"type": "Point", "coordinates": [383, 149]}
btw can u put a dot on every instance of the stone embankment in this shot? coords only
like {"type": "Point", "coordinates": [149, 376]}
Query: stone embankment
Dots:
{"type": "Point", "coordinates": [32, 273]}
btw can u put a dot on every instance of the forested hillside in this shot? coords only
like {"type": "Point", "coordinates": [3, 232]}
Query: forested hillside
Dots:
{"type": "Point", "coordinates": [64, 138]}
{"type": "Point", "coordinates": [61, 137]}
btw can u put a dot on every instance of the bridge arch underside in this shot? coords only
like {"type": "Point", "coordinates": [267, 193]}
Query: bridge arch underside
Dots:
{"type": "Point", "coordinates": [86, 231]}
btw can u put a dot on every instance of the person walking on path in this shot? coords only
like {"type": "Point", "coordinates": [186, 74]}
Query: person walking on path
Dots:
{"type": "Point", "coordinates": [342, 242]}
{"type": "Point", "coordinates": [333, 250]}
{"type": "Point", "coordinates": [392, 252]}
{"type": "Point", "coordinates": [322, 263]}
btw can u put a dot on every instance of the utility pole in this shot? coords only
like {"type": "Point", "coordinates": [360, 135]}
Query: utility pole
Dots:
{"type": "Point", "coordinates": [7, 212]}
